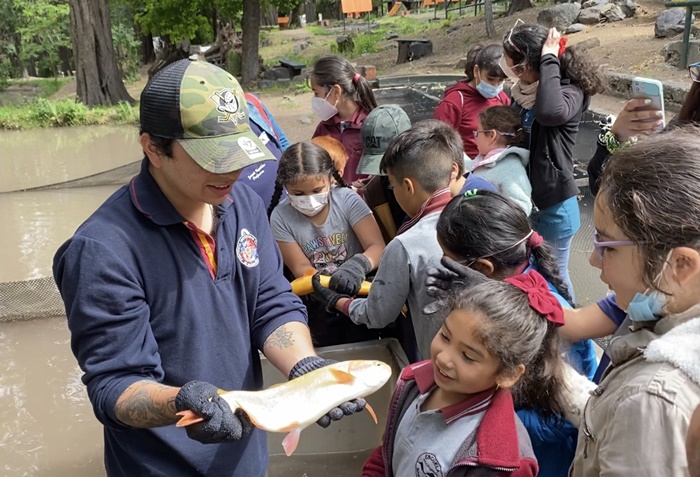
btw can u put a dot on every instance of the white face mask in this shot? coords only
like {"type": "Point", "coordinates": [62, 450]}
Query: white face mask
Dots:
{"type": "Point", "coordinates": [309, 205]}
{"type": "Point", "coordinates": [322, 108]}
{"type": "Point", "coordinates": [507, 69]}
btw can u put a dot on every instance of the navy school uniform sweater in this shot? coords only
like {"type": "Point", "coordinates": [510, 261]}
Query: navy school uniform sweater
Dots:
{"type": "Point", "coordinates": [142, 304]}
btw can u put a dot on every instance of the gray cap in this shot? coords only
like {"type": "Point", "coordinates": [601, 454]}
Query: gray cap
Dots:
{"type": "Point", "coordinates": [382, 125]}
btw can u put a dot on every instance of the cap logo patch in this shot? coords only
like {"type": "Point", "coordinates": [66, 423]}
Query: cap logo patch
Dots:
{"type": "Point", "coordinates": [227, 103]}
{"type": "Point", "coordinates": [250, 148]}
{"type": "Point", "coordinates": [373, 141]}
{"type": "Point", "coordinates": [247, 249]}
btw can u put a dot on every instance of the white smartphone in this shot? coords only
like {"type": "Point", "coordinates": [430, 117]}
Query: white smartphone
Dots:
{"type": "Point", "coordinates": [651, 89]}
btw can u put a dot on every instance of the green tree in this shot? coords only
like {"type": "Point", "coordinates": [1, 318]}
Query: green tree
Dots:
{"type": "Point", "coordinates": [44, 28]}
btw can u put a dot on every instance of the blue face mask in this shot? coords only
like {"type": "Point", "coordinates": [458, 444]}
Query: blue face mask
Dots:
{"type": "Point", "coordinates": [646, 307]}
{"type": "Point", "coordinates": [487, 90]}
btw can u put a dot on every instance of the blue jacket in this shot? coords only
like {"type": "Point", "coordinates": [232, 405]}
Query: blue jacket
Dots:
{"type": "Point", "coordinates": [144, 304]}
{"type": "Point", "coordinates": [554, 440]}
{"type": "Point", "coordinates": [261, 176]}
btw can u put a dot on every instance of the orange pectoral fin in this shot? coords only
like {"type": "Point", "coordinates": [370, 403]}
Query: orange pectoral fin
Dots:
{"type": "Point", "coordinates": [371, 413]}
{"type": "Point", "coordinates": [188, 418]}
{"type": "Point", "coordinates": [342, 377]}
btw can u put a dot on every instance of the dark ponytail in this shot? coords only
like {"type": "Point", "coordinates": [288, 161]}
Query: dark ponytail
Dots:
{"type": "Point", "coordinates": [491, 226]}
{"type": "Point", "coordinates": [335, 70]}
{"type": "Point", "coordinates": [515, 334]}
{"type": "Point", "coordinates": [486, 58]}
{"type": "Point", "coordinates": [301, 160]}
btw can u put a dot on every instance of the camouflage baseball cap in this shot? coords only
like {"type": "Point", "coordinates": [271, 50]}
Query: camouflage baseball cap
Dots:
{"type": "Point", "coordinates": [382, 125]}
{"type": "Point", "coordinates": [204, 108]}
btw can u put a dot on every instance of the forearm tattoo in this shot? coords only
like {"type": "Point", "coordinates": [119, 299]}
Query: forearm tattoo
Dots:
{"type": "Point", "coordinates": [281, 338]}
{"type": "Point", "coordinates": [147, 404]}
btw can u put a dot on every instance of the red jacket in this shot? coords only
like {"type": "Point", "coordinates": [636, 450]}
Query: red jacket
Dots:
{"type": "Point", "coordinates": [501, 448]}
{"type": "Point", "coordinates": [349, 136]}
{"type": "Point", "coordinates": [460, 109]}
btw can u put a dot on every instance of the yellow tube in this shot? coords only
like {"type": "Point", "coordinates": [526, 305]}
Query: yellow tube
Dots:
{"type": "Point", "coordinates": [302, 285]}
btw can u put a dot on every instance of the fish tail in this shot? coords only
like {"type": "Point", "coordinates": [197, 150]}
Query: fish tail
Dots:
{"type": "Point", "coordinates": [291, 441]}
{"type": "Point", "coordinates": [187, 418]}
{"type": "Point", "coordinates": [371, 412]}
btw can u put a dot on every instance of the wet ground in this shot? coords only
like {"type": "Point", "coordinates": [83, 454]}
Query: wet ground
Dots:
{"type": "Point", "coordinates": [46, 423]}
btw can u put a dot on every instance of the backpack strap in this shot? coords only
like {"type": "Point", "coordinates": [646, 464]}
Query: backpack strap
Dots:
{"type": "Point", "coordinates": [258, 105]}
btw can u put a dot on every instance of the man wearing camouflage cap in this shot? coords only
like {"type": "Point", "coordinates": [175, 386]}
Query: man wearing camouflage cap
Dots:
{"type": "Point", "coordinates": [175, 283]}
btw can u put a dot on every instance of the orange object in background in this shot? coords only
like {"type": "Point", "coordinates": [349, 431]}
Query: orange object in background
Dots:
{"type": "Point", "coordinates": [356, 6]}
{"type": "Point", "coordinates": [430, 3]}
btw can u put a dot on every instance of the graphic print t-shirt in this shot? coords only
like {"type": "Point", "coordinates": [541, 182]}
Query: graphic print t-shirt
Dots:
{"type": "Point", "coordinates": [326, 246]}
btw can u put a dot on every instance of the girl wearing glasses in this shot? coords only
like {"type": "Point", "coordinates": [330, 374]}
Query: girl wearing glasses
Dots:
{"type": "Point", "coordinates": [482, 89]}
{"type": "Point", "coordinates": [647, 247]}
{"type": "Point", "coordinates": [484, 234]}
{"type": "Point", "coordinates": [552, 90]}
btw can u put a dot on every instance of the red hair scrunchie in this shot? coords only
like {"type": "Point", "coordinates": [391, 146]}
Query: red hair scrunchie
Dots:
{"type": "Point", "coordinates": [356, 78]}
{"type": "Point", "coordinates": [535, 240]}
{"type": "Point", "coordinates": [538, 294]}
{"type": "Point", "coordinates": [562, 45]}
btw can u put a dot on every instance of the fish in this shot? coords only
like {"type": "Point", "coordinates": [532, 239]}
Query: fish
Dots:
{"type": "Point", "coordinates": [295, 405]}
{"type": "Point", "coordinates": [302, 285]}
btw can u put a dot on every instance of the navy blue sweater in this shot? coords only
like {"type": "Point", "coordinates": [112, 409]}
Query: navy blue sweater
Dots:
{"type": "Point", "coordinates": [142, 305]}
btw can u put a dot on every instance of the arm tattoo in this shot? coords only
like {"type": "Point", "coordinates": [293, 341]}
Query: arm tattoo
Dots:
{"type": "Point", "coordinates": [147, 404]}
{"type": "Point", "coordinates": [281, 338]}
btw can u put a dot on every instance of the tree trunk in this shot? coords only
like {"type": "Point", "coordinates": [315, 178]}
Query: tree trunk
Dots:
{"type": "Point", "coordinates": [519, 6]}
{"type": "Point", "coordinates": [97, 75]}
{"type": "Point", "coordinates": [251, 35]}
{"type": "Point", "coordinates": [488, 13]}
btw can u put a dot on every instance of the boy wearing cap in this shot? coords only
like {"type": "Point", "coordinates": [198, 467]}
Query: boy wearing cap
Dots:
{"type": "Point", "coordinates": [173, 285]}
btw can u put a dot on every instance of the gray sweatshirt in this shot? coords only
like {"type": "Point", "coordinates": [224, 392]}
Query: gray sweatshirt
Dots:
{"type": "Point", "coordinates": [400, 280]}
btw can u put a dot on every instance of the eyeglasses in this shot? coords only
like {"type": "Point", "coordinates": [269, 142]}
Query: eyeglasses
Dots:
{"type": "Point", "coordinates": [476, 133]}
{"type": "Point", "coordinates": [510, 34]}
{"type": "Point", "coordinates": [600, 247]}
{"type": "Point", "coordinates": [694, 71]}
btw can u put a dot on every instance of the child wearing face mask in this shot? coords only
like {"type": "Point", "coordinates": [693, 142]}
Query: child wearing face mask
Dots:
{"type": "Point", "coordinates": [342, 100]}
{"type": "Point", "coordinates": [499, 162]}
{"type": "Point", "coordinates": [482, 89]}
{"type": "Point", "coordinates": [453, 414]}
{"type": "Point", "coordinates": [324, 226]}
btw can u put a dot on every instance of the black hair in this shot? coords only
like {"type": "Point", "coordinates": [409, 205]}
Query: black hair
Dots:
{"type": "Point", "coordinates": [491, 226]}
{"type": "Point", "coordinates": [652, 190]}
{"type": "Point", "coordinates": [503, 119]}
{"type": "Point", "coordinates": [164, 145]}
{"type": "Point", "coordinates": [523, 44]}
{"type": "Point", "coordinates": [514, 333]}
{"type": "Point", "coordinates": [335, 70]}
{"type": "Point", "coordinates": [486, 58]}
{"type": "Point", "coordinates": [690, 109]}
{"type": "Point", "coordinates": [301, 160]}
{"type": "Point", "coordinates": [425, 153]}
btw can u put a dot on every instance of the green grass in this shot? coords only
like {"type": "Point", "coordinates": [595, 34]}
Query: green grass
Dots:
{"type": "Point", "coordinates": [43, 113]}
{"type": "Point", "coordinates": [318, 30]}
{"type": "Point", "coordinates": [47, 86]}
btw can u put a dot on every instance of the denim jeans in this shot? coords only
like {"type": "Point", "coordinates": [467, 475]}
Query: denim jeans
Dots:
{"type": "Point", "coordinates": [558, 224]}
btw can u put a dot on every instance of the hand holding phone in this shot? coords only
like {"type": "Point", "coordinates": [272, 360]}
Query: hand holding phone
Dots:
{"type": "Point", "coordinates": [653, 90]}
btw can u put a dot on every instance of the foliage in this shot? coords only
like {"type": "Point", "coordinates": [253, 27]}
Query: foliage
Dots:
{"type": "Point", "coordinates": [44, 28]}
{"type": "Point", "coordinates": [318, 30]}
{"type": "Point", "coordinates": [126, 48]}
{"type": "Point", "coordinates": [175, 19]}
{"type": "Point", "coordinates": [46, 113]}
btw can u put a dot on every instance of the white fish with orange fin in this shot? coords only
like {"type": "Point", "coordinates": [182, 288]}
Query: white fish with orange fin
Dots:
{"type": "Point", "coordinates": [295, 405]}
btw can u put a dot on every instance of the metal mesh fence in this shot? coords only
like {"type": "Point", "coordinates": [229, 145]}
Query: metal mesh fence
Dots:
{"type": "Point", "coordinates": [36, 298]}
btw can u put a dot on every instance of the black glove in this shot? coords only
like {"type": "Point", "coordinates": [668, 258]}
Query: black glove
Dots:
{"type": "Point", "coordinates": [445, 283]}
{"type": "Point", "coordinates": [312, 363]}
{"type": "Point", "coordinates": [327, 297]}
{"type": "Point", "coordinates": [220, 424]}
{"type": "Point", "coordinates": [349, 276]}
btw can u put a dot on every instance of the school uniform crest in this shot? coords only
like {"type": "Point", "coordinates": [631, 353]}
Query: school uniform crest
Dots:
{"type": "Point", "coordinates": [247, 249]}
{"type": "Point", "coordinates": [427, 465]}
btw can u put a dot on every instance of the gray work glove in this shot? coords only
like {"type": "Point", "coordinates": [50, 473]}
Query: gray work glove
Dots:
{"type": "Point", "coordinates": [312, 363]}
{"type": "Point", "coordinates": [349, 276]}
{"type": "Point", "coordinates": [445, 282]}
{"type": "Point", "coordinates": [220, 424]}
{"type": "Point", "coordinates": [327, 297]}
